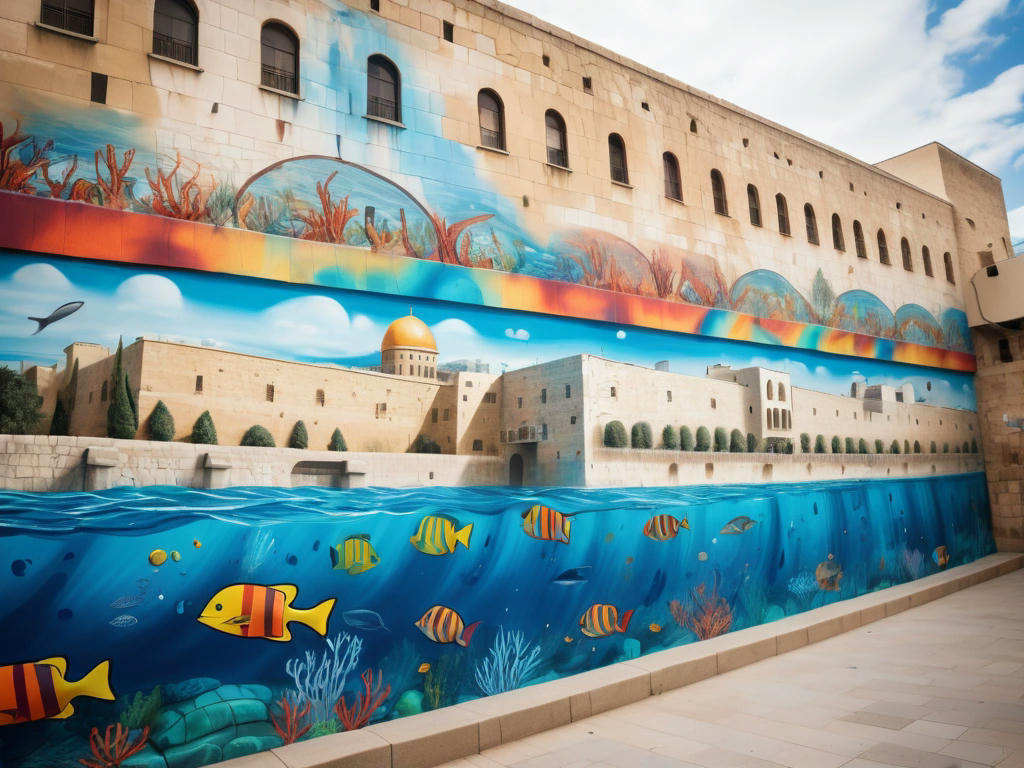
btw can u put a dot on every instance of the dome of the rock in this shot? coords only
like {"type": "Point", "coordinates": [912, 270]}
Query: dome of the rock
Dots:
{"type": "Point", "coordinates": [408, 332]}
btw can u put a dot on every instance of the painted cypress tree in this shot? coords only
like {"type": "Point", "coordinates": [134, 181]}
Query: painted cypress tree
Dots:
{"type": "Point", "coordinates": [974, 446]}
{"type": "Point", "coordinates": [879, 447]}
{"type": "Point", "coordinates": [932, 448]}
{"type": "Point", "coordinates": [819, 444]}
{"type": "Point", "coordinates": [837, 447]}
{"type": "Point", "coordinates": [161, 423]}
{"type": "Point", "coordinates": [737, 442]}
{"type": "Point", "coordinates": [917, 446]}
{"type": "Point", "coordinates": [906, 446]}
{"type": "Point", "coordinates": [703, 439]}
{"type": "Point", "coordinates": [71, 391]}
{"type": "Point", "coordinates": [640, 436]}
{"type": "Point", "coordinates": [945, 447]}
{"type": "Point", "coordinates": [258, 436]}
{"type": "Point", "coordinates": [60, 422]}
{"type": "Point", "coordinates": [615, 435]}
{"type": "Point", "coordinates": [721, 439]}
{"type": "Point", "coordinates": [670, 438]}
{"type": "Point", "coordinates": [862, 446]}
{"type": "Point", "coordinates": [895, 447]}
{"type": "Point", "coordinates": [805, 443]}
{"type": "Point", "coordinates": [685, 439]}
{"type": "Point", "coordinates": [299, 437]}
{"type": "Point", "coordinates": [120, 419]}
{"type": "Point", "coordinates": [752, 445]}
{"type": "Point", "coordinates": [131, 402]}
{"type": "Point", "coordinates": [789, 446]}
{"type": "Point", "coordinates": [203, 430]}
{"type": "Point", "coordinates": [967, 447]}
{"type": "Point", "coordinates": [337, 441]}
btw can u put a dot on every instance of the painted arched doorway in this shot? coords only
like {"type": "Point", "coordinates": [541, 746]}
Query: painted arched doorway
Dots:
{"type": "Point", "coordinates": [515, 470]}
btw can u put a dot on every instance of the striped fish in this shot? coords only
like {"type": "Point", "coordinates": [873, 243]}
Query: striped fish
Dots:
{"type": "Point", "coordinates": [437, 535]}
{"type": "Point", "coordinates": [444, 625]}
{"type": "Point", "coordinates": [253, 610]}
{"type": "Point", "coordinates": [540, 522]}
{"type": "Point", "coordinates": [38, 690]}
{"type": "Point", "coordinates": [664, 527]}
{"type": "Point", "coordinates": [354, 555]}
{"type": "Point", "coordinates": [601, 620]}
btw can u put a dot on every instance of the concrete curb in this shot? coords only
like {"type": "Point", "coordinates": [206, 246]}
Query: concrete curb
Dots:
{"type": "Point", "coordinates": [465, 729]}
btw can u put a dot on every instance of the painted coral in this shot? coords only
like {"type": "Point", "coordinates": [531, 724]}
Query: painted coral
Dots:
{"type": "Point", "coordinates": [328, 224]}
{"type": "Point", "coordinates": [365, 704]}
{"type": "Point", "coordinates": [176, 199]}
{"type": "Point", "coordinates": [290, 728]}
{"type": "Point", "coordinates": [114, 748]}
{"type": "Point", "coordinates": [705, 614]}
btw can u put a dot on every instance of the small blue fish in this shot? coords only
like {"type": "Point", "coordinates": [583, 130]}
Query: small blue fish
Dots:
{"type": "Point", "coordinates": [572, 576]}
{"type": "Point", "coordinates": [738, 525]}
{"type": "Point", "coordinates": [124, 620]}
{"type": "Point", "coordinates": [362, 618]}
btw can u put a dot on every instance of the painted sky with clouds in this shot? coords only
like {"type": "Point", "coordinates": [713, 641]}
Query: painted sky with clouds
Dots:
{"type": "Point", "coordinates": [873, 78]}
{"type": "Point", "coordinates": [316, 324]}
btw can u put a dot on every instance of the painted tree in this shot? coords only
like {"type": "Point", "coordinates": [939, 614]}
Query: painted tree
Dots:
{"type": "Point", "coordinates": [337, 441]}
{"type": "Point", "coordinates": [685, 439]}
{"type": "Point", "coordinates": [837, 447]}
{"type": "Point", "coordinates": [161, 423]}
{"type": "Point", "coordinates": [737, 442]}
{"type": "Point", "coordinates": [879, 447]}
{"type": "Point", "coordinates": [258, 436]}
{"type": "Point", "coordinates": [703, 439]}
{"type": "Point", "coordinates": [823, 298]}
{"type": "Point", "coordinates": [615, 435]}
{"type": "Point", "coordinates": [299, 437]}
{"type": "Point", "coordinates": [895, 447]}
{"type": "Point", "coordinates": [203, 431]}
{"type": "Point", "coordinates": [640, 436]}
{"type": "Point", "coordinates": [752, 445]}
{"type": "Point", "coordinates": [849, 445]}
{"type": "Point", "coordinates": [862, 446]}
{"type": "Point", "coordinates": [819, 444]}
{"type": "Point", "coordinates": [670, 438]}
{"type": "Point", "coordinates": [805, 443]}
{"type": "Point", "coordinates": [19, 403]}
{"type": "Point", "coordinates": [721, 439]}
{"type": "Point", "coordinates": [120, 419]}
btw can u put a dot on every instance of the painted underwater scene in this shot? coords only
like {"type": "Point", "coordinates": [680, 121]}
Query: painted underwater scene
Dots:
{"type": "Point", "coordinates": [177, 627]}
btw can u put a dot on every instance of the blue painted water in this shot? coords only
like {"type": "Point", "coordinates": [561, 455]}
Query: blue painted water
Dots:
{"type": "Point", "coordinates": [76, 581]}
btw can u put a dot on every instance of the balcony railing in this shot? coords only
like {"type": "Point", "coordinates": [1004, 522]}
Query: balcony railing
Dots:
{"type": "Point", "coordinates": [528, 433]}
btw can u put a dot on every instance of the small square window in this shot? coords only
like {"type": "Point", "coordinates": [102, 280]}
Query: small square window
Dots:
{"type": "Point", "coordinates": [714, 403]}
{"type": "Point", "coordinates": [478, 445]}
{"type": "Point", "coordinates": [572, 419]}
{"type": "Point", "coordinates": [588, 85]}
{"type": "Point", "coordinates": [449, 31]}
{"type": "Point", "coordinates": [469, 384]}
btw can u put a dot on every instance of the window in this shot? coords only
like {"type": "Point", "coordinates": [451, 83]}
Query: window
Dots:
{"type": "Point", "coordinates": [375, 5]}
{"type": "Point", "coordinates": [568, 391]}
{"type": "Point", "coordinates": [858, 240]}
{"type": "Point", "coordinates": [948, 261]}
{"type": "Point", "coordinates": [280, 57]}
{"type": "Point", "coordinates": [718, 192]}
{"type": "Point", "coordinates": [673, 181]}
{"type": "Point", "coordinates": [448, 30]}
{"type": "Point", "coordinates": [613, 391]}
{"type": "Point", "coordinates": [572, 419]}
{"type": "Point", "coordinates": [98, 88]}
{"type": "Point", "coordinates": [908, 262]}
{"type": "Point", "coordinates": [837, 233]}
{"type": "Point", "coordinates": [465, 398]}
{"type": "Point", "coordinates": [72, 15]}
{"type": "Point", "coordinates": [769, 390]}
{"type": "Point", "coordinates": [491, 397]}
{"type": "Point", "coordinates": [783, 211]}
{"type": "Point", "coordinates": [492, 119]}
{"type": "Point", "coordinates": [270, 393]}
{"type": "Point", "coordinates": [446, 415]}
{"type": "Point", "coordinates": [383, 89]}
{"type": "Point", "coordinates": [381, 410]}
{"type": "Point", "coordinates": [714, 403]}
{"type": "Point", "coordinates": [883, 251]}
{"type": "Point", "coordinates": [174, 30]}
{"type": "Point", "coordinates": [693, 126]}
{"type": "Point", "coordinates": [544, 395]}
{"type": "Point", "coordinates": [768, 417]}
{"type": "Point", "coordinates": [320, 399]}
{"type": "Point", "coordinates": [433, 415]}
{"type": "Point", "coordinates": [468, 384]}
{"type": "Point", "coordinates": [199, 383]}
{"type": "Point", "coordinates": [754, 203]}
{"type": "Point", "coordinates": [543, 431]}
{"type": "Point", "coordinates": [519, 402]}
{"type": "Point", "coordinates": [812, 224]}
{"type": "Point", "coordinates": [782, 392]}
{"type": "Point", "coordinates": [617, 159]}
{"type": "Point", "coordinates": [554, 135]}
{"type": "Point", "coordinates": [926, 257]}
{"type": "Point", "coordinates": [478, 445]}
{"type": "Point", "coordinates": [669, 394]}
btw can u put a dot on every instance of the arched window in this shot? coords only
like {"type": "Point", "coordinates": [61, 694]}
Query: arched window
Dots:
{"type": "Point", "coordinates": [783, 211]}
{"type": "Point", "coordinates": [768, 387]}
{"type": "Point", "coordinates": [554, 135]}
{"type": "Point", "coordinates": [754, 203]}
{"type": "Point", "coordinates": [948, 261]}
{"type": "Point", "coordinates": [492, 119]}
{"type": "Point", "coordinates": [768, 417]}
{"type": "Point", "coordinates": [858, 240]}
{"type": "Point", "coordinates": [693, 126]}
{"type": "Point", "coordinates": [812, 224]}
{"type": "Point", "coordinates": [718, 192]}
{"type": "Point", "coordinates": [883, 251]}
{"type": "Point", "coordinates": [617, 159]}
{"type": "Point", "coordinates": [673, 181]}
{"type": "Point", "coordinates": [174, 30]}
{"type": "Point", "coordinates": [926, 257]}
{"type": "Point", "coordinates": [72, 15]}
{"type": "Point", "coordinates": [782, 392]}
{"type": "Point", "coordinates": [837, 233]}
{"type": "Point", "coordinates": [280, 57]}
{"type": "Point", "coordinates": [383, 89]}
{"type": "Point", "coordinates": [908, 262]}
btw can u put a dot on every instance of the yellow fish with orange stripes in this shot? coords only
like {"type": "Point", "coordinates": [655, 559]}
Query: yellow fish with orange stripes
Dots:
{"type": "Point", "coordinates": [444, 625]}
{"type": "Point", "coordinates": [38, 690]}
{"type": "Point", "coordinates": [253, 610]}
{"type": "Point", "coordinates": [664, 527]}
{"type": "Point", "coordinates": [540, 522]}
{"type": "Point", "coordinates": [601, 620]}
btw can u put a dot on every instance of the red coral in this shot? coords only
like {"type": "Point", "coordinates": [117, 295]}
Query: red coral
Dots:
{"type": "Point", "coordinates": [662, 273]}
{"type": "Point", "coordinates": [111, 752]}
{"type": "Point", "coordinates": [57, 187]}
{"type": "Point", "coordinates": [14, 174]}
{"type": "Point", "coordinates": [114, 192]}
{"type": "Point", "coordinates": [706, 616]}
{"type": "Point", "coordinates": [328, 226]}
{"type": "Point", "coordinates": [178, 201]}
{"type": "Point", "coordinates": [289, 730]}
{"type": "Point", "coordinates": [363, 706]}
{"type": "Point", "coordinates": [448, 250]}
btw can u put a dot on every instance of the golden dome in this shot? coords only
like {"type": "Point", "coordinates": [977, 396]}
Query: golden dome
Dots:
{"type": "Point", "coordinates": [408, 332]}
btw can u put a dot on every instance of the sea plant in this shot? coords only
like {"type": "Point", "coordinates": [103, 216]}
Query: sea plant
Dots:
{"type": "Point", "coordinates": [176, 199]}
{"type": "Point", "coordinates": [803, 587]}
{"type": "Point", "coordinates": [114, 748]}
{"type": "Point", "coordinates": [290, 727]}
{"type": "Point", "coordinates": [328, 225]}
{"type": "Point", "coordinates": [365, 704]}
{"type": "Point", "coordinates": [448, 249]}
{"type": "Point", "coordinates": [16, 175]}
{"type": "Point", "coordinates": [662, 274]}
{"type": "Point", "coordinates": [114, 193]}
{"type": "Point", "coordinates": [143, 709]}
{"type": "Point", "coordinates": [706, 614]}
{"type": "Point", "coordinates": [57, 187]}
{"type": "Point", "coordinates": [320, 682]}
{"type": "Point", "coordinates": [510, 662]}
{"type": "Point", "coordinates": [441, 682]}
{"type": "Point", "coordinates": [913, 564]}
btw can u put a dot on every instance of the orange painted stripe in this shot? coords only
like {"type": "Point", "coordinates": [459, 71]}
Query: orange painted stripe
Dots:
{"type": "Point", "coordinates": [277, 623]}
{"type": "Point", "coordinates": [258, 620]}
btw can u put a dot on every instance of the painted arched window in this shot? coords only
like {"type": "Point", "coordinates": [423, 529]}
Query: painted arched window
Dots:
{"type": "Point", "coordinates": [883, 250]}
{"type": "Point", "coordinates": [617, 159]}
{"type": "Point", "coordinates": [768, 417]}
{"type": "Point", "coordinates": [926, 257]}
{"type": "Point", "coordinates": [174, 30]}
{"type": "Point", "coordinates": [908, 262]}
{"type": "Point", "coordinates": [948, 261]}
{"type": "Point", "coordinates": [718, 192]}
{"type": "Point", "coordinates": [383, 89]}
{"type": "Point", "coordinates": [554, 135]}
{"type": "Point", "coordinates": [837, 233]}
{"type": "Point", "coordinates": [768, 388]}
{"type": "Point", "coordinates": [673, 181]}
{"type": "Point", "coordinates": [72, 15]}
{"type": "Point", "coordinates": [279, 51]}
{"type": "Point", "coordinates": [783, 211]}
{"type": "Point", "coordinates": [492, 119]}
{"type": "Point", "coordinates": [812, 224]}
{"type": "Point", "coordinates": [782, 392]}
{"type": "Point", "coordinates": [858, 240]}
{"type": "Point", "coordinates": [754, 203]}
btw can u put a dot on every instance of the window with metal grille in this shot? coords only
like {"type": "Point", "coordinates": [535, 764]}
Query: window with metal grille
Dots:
{"type": "Point", "coordinates": [617, 159]}
{"type": "Point", "coordinates": [754, 204]}
{"type": "Point", "coordinates": [812, 224]}
{"type": "Point", "coordinates": [554, 136]}
{"type": "Point", "coordinates": [175, 23]}
{"type": "Point", "coordinates": [492, 119]}
{"type": "Point", "coordinates": [718, 192]}
{"type": "Point", "coordinates": [883, 250]}
{"type": "Point", "coordinates": [926, 257]}
{"type": "Point", "coordinates": [383, 89]}
{"type": "Point", "coordinates": [72, 15]}
{"type": "Point", "coordinates": [858, 240]}
{"type": "Point", "coordinates": [783, 211]}
{"type": "Point", "coordinates": [433, 415]}
{"type": "Point", "coordinates": [279, 49]}
{"type": "Point", "coordinates": [673, 180]}
{"type": "Point", "coordinates": [908, 262]}
{"type": "Point", "coordinates": [491, 397]}
{"type": "Point", "coordinates": [837, 233]}
{"type": "Point", "coordinates": [478, 445]}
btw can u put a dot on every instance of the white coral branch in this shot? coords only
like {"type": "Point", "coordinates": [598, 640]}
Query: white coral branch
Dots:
{"type": "Point", "coordinates": [321, 684]}
{"type": "Point", "coordinates": [508, 664]}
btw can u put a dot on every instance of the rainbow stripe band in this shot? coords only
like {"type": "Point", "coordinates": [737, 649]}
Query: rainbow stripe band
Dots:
{"type": "Point", "coordinates": [80, 230]}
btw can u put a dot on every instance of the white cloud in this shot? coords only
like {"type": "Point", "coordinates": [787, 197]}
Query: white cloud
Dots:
{"type": "Point", "coordinates": [153, 293]}
{"type": "Point", "coordinates": [1016, 217]}
{"type": "Point", "coordinates": [519, 335]}
{"type": "Point", "coordinates": [44, 277]}
{"type": "Point", "coordinates": [452, 327]}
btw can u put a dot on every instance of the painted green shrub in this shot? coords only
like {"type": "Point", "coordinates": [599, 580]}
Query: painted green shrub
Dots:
{"type": "Point", "coordinates": [974, 445]}
{"type": "Point", "coordinates": [966, 447]}
{"type": "Point", "coordinates": [703, 439]}
{"type": "Point", "coordinates": [752, 446]}
{"type": "Point", "coordinates": [917, 446]}
{"type": "Point", "coordinates": [203, 430]}
{"type": "Point", "coordinates": [299, 437]}
{"type": "Point", "coordinates": [895, 447]}
{"type": "Point", "coordinates": [837, 446]}
{"type": "Point", "coordinates": [670, 438]}
{"type": "Point", "coordinates": [932, 448]}
{"type": "Point", "coordinates": [805, 443]}
{"type": "Point", "coordinates": [615, 435]}
{"type": "Point", "coordinates": [19, 403]}
{"type": "Point", "coordinates": [850, 446]}
{"type": "Point", "coordinates": [424, 444]}
{"type": "Point", "coordinates": [862, 446]}
{"type": "Point", "coordinates": [819, 444]}
{"type": "Point", "coordinates": [879, 447]}
{"type": "Point", "coordinates": [161, 423]}
{"type": "Point", "coordinates": [789, 446]}
{"type": "Point", "coordinates": [721, 439]}
{"type": "Point", "coordinates": [258, 436]}
{"type": "Point", "coordinates": [945, 447]}
{"type": "Point", "coordinates": [737, 442]}
{"type": "Point", "coordinates": [640, 436]}
{"type": "Point", "coordinates": [61, 421]}
{"type": "Point", "coordinates": [685, 439]}
{"type": "Point", "coordinates": [906, 446]}
{"type": "Point", "coordinates": [337, 441]}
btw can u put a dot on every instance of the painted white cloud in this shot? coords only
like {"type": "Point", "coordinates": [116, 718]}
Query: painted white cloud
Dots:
{"type": "Point", "coordinates": [154, 293]}
{"type": "Point", "coordinates": [452, 327]}
{"type": "Point", "coordinates": [44, 277]}
{"type": "Point", "coordinates": [519, 335]}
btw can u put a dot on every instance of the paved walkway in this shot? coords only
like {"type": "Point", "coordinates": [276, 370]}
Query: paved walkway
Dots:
{"type": "Point", "coordinates": [937, 686]}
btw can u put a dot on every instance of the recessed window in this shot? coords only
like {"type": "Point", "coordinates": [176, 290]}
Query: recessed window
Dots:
{"type": "Point", "coordinates": [837, 233]}
{"type": "Point", "coordinates": [617, 159]}
{"type": "Point", "coordinates": [673, 180]}
{"type": "Point", "coordinates": [718, 192]}
{"type": "Point", "coordinates": [554, 135]}
{"type": "Point", "coordinates": [199, 383]}
{"type": "Point", "coordinates": [883, 250]}
{"type": "Point", "coordinates": [478, 445]}
{"type": "Point", "coordinates": [572, 419]}
{"type": "Point", "coordinates": [98, 93]}
{"type": "Point", "coordinates": [612, 392]}
{"type": "Point", "coordinates": [375, 5]}
{"type": "Point", "coordinates": [588, 85]}
{"type": "Point", "coordinates": [754, 204]}
{"type": "Point", "coordinates": [270, 393]}
{"type": "Point", "coordinates": [545, 60]}
{"type": "Point", "coordinates": [280, 58]}
{"type": "Point", "coordinates": [858, 240]}
{"type": "Point", "coordinates": [446, 415]}
{"type": "Point", "coordinates": [383, 89]}
{"type": "Point", "coordinates": [908, 262]}
{"type": "Point", "coordinates": [448, 30]}
{"type": "Point", "coordinates": [465, 398]}
{"type": "Point", "coordinates": [72, 15]}
{"type": "Point", "coordinates": [174, 30]}
{"type": "Point", "coordinates": [381, 410]}
{"type": "Point", "coordinates": [433, 415]}
{"type": "Point", "coordinates": [543, 395]}
{"type": "Point", "coordinates": [948, 261]}
{"type": "Point", "coordinates": [926, 257]}
{"type": "Point", "coordinates": [519, 402]}
{"type": "Point", "coordinates": [714, 403]}
{"type": "Point", "coordinates": [693, 126]}
{"type": "Point", "coordinates": [669, 395]}
{"type": "Point", "coordinates": [491, 397]}
{"type": "Point", "coordinates": [492, 119]}
{"type": "Point", "coordinates": [320, 398]}
{"type": "Point", "coordinates": [783, 211]}
{"type": "Point", "coordinates": [568, 391]}
{"type": "Point", "coordinates": [812, 224]}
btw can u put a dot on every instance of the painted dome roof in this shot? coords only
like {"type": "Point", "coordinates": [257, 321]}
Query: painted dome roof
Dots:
{"type": "Point", "coordinates": [408, 331]}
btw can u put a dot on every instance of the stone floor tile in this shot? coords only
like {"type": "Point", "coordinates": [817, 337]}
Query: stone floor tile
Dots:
{"type": "Point", "coordinates": [939, 730]}
{"type": "Point", "coordinates": [878, 719]}
{"type": "Point", "coordinates": [978, 753]}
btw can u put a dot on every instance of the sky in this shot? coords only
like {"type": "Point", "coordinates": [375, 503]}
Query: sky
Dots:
{"type": "Point", "coordinates": [873, 78]}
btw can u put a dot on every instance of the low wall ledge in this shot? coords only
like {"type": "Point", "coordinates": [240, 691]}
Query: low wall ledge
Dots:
{"type": "Point", "coordinates": [101, 457]}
